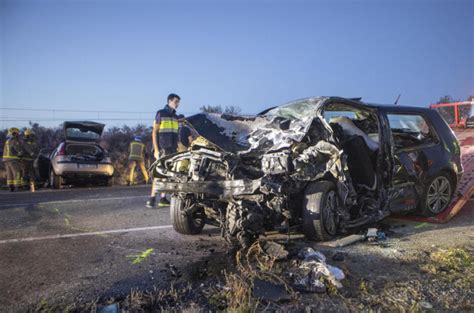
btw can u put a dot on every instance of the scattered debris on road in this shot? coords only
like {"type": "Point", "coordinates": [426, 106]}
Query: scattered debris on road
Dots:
{"type": "Point", "coordinates": [313, 272]}
{"type": "Point", "coordinates": [142, 256]}
{"type": "Point", "coordinates": [344, 241]}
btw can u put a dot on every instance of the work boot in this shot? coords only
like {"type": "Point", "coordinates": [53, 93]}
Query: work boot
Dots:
{"type": "Point", "coordinates": [163, 202]}
{"type": "Point", "coordinates": [150, 203]}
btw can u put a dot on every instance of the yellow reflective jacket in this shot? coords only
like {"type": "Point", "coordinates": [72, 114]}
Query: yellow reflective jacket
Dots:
{"type": "Point", "coordinates": [137, 151]}
{"type": "Point", "coordinates": [11, 149]}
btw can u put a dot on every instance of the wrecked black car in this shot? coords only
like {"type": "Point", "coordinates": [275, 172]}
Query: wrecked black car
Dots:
{"type": "Point", "coordinates": [324, 164]}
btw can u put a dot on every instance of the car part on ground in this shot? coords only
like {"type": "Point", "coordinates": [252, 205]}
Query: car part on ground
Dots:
{"type": "Point", "coordinates": [327, 164]}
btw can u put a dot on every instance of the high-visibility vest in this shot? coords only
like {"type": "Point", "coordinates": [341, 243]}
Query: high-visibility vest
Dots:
{"type": "Point", "coordinates": [137, 151]}
{"type": "Point", "coordinates": [11, 150]}
{"type": "Point", "coordinates": [168, 129]}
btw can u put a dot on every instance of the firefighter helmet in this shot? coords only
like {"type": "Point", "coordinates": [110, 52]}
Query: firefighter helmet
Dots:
{"type": "Point", "coordinates": [13, 131]}
{"type": "Point", "coordinates": [28, 132]}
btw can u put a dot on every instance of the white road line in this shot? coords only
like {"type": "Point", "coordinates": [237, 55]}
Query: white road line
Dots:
{"type": "Point", "coordinates": [104, 232]}
{"type": "Point", "coordinates": [72, 201]}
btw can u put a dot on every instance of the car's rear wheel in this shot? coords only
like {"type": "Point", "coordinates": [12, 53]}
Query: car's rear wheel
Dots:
{"type": "Point", "coordinates": [55, 181]}
{"type": "Point", "coordinates": [320, 219]}
{"type": "Point", "coordinates": [184, 223]}
{"type": "Point", "coordinates": [437, 196]}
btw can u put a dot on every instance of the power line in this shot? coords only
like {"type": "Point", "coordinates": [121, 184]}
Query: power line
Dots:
{"type": "Point", "coordinates": [88, 111]}
{"type": "Point", "coordinates": [57, 119]}
{"type": "Point", "coordinates": [83, 111]}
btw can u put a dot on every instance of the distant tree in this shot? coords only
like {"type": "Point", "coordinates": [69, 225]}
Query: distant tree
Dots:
{"type": "Point", "coordinates": [446, 112]}
{"type": "Point", "coordinates": [464, 111]}
{"type": "Point", "coordinates": [230, 109]}
{"type": "Point", "coordinates": [445, 99]}
{"type": "Point", "coordinates": [468, 110]}
{"type": "Point", "coordinates": [211, 109]}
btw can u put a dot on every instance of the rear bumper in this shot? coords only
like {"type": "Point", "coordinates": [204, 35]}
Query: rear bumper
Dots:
{"type": "Point", "coordinates": [83, 170]}
{"type": "Point", "coordinates": [223, 188]}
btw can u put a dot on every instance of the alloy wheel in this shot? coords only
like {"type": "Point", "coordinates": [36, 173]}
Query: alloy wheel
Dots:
{"type": "Point", "coordinates": [439, 194]}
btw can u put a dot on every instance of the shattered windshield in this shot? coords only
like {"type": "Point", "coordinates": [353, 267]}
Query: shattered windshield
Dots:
{"type": "Point", "coordinates": [78, 133]}
{"type": "Point", "coordinates": [298, 109]}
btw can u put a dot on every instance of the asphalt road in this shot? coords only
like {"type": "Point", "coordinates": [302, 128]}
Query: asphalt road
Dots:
{"type": "Point", "coordinates": [73, 245]}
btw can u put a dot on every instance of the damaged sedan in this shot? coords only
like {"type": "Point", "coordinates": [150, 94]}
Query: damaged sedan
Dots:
{"type": "Point", "coordinates": [323, 164]}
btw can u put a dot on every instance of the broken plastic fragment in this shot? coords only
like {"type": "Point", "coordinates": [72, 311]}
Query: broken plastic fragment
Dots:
{"type": "Point", "coordinates": [371, 232]}
{"type": "Point", "coordinates": [142, 256]}
{"type": "Point", "coordinates": [314, 266]}
{"type": "Point", "coordinates": [308, 254]}
{"type": "Point", "coordinates": [111, 308]}
{"type": "Point", "coordinates": [275, 250]}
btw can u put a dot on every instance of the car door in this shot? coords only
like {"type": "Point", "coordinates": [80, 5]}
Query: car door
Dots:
{"type": "Point", "coordinates": [41, 163]}
{"type": "Point", "coordinates": [415, 145]}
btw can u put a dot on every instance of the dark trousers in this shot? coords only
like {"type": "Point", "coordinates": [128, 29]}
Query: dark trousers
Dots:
{"type": "Point", "coordinates": [28, 172]}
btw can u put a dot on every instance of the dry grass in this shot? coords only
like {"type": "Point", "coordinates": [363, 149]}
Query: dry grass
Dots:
{"type": "Point", "coordinates": [440, 281]}
{"type": "Point", "coordinates": [251, 264]}
{"type": "Point", "coordinates": [444, 282]}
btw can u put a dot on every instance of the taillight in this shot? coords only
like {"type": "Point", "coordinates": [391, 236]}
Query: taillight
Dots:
{"type": "Point", "coordinates": [62, 149]}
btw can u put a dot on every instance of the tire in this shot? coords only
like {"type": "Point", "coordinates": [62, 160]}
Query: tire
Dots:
{"type": "Point", "coordinates": [55, 181]}
{"type": "Point", "coordinates": [437, 195]}
{"type": "Point", "coordinates": [320, 199]}
{"type": "Point", "coordinates": [184, 224]}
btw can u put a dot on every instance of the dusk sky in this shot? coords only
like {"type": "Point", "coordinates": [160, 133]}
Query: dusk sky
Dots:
{"type": "Point", "coordinates": [129, 55]}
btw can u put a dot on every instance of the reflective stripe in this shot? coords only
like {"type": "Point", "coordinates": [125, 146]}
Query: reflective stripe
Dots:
{"type": "Point", "coordinates": [168, 129]}
{"type": "Point", "coordinates": [7, 153]}
{"type": "Point", "coordinates": [169, 125]}
{"type": "Point", "coordinates": [137, 150]}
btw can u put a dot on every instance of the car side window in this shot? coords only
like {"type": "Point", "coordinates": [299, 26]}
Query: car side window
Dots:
{"type": "Point", "coordinates": [410, 130]}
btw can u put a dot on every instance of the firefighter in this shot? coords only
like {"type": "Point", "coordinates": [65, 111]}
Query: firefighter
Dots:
{"type": "Point", "coordinates": [29, 149]}
{"type": "Point", "coordinates": [137, 152]}
{"type": "Point", "coordinates": [165, 140]}
{"type": "Point", "coordinates": [11, 159]}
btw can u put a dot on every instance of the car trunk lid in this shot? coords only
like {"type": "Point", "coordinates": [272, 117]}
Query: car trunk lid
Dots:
{"type": "Point", "coordinates": [83, 131]}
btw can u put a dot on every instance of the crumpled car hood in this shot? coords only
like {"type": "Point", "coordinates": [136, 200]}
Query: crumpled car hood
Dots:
{"type": "Point", "coordinates": [274, 130]}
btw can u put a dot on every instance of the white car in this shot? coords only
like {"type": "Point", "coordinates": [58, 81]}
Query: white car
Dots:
{"type": "Point", "coordinates": [79, 157]}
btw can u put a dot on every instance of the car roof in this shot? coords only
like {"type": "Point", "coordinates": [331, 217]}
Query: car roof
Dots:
{"type": "Point", "coordinates": [398, 108]}
{"type": "Point", "coordinates": [385, 107]}
{"type": "Point", "coordinates": [358, 101]}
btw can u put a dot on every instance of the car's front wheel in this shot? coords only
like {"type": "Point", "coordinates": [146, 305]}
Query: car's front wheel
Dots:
{"type": "Point", "coordinates": [437, 196]}
{"type": "Point", "coordinates": [55, 181]}
{"type": "Point", "coordinates": [320, 219]}
{"type": "Point", "coordinates": [183, 222]}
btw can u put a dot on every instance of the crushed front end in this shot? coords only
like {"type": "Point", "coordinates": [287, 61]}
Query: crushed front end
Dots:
{"type": "Point", "coordinates": [260, 188]}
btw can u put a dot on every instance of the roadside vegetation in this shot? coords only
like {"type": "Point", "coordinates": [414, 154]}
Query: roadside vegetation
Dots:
{"type": "Point", "coordinates": [434, 281]}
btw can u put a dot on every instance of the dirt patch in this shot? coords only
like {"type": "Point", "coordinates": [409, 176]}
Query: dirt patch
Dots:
{"type": "Point", "coordinates": [253, 280]}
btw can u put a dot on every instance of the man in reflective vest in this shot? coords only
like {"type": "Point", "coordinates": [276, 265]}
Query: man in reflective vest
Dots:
{"type": "Point", "coordinates": [137, 151]}
{"type": "Point", "coordinates": [29, 149]}
{"type": "Point", "coordinates": [165, 140]}
{"type": "Point", "coordinates": [11, 159]}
